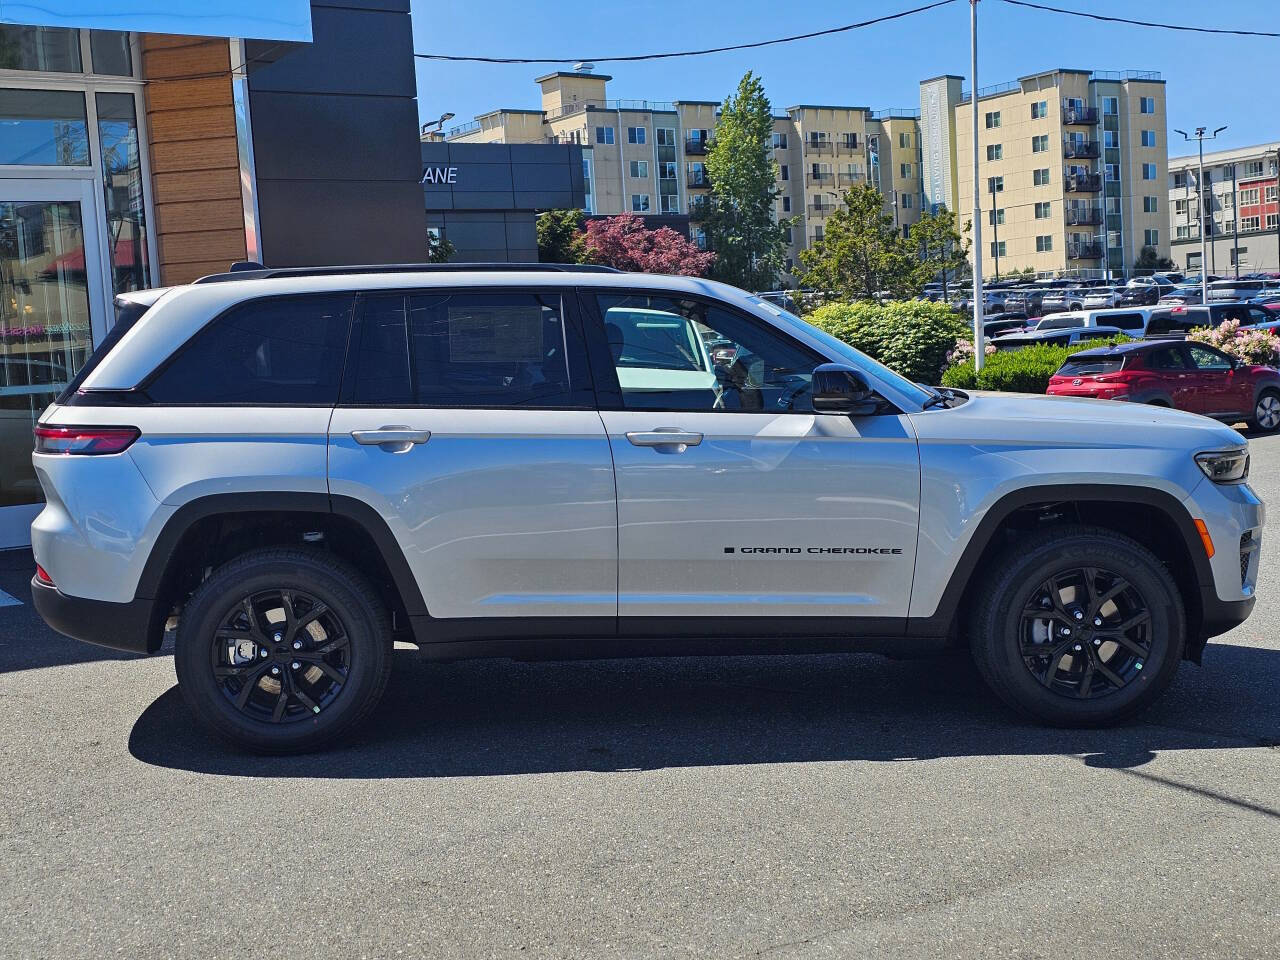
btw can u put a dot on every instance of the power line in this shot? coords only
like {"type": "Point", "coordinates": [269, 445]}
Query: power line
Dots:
{"type": "Point", "coordinates": [688, 53]}
{"type": "Point", "coordinates": [1140, 23]}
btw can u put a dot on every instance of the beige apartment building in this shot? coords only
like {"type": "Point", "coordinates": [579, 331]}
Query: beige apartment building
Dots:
{"type": "Point", "coordinates": [647, 157]}
{"type": "Point", "coordinates": [1073, 168]}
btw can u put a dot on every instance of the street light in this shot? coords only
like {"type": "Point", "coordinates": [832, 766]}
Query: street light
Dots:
{"type": "Point", "coordinates": [438, 124]}
{"type": "Point", "coordinates": [1200, 137]}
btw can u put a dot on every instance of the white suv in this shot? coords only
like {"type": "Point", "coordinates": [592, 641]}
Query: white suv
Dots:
{"type": "Point", "coordinates": [300, 467]}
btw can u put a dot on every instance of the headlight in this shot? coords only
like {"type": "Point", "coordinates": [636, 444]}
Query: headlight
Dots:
{"type": "Point", "coordinates": [1231, 466]}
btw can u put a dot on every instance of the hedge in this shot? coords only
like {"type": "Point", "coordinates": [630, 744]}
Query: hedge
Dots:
{"type": "Point", "coordinates": [911, 337]}
{"type": "Point", "coordinates": [1018, 371]}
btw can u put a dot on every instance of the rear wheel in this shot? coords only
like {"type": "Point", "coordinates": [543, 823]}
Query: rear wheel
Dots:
{"type": "Point", "coordinates": [1266, 412]}
{"type": "Point", "coordinates": [1081, 627]}
{"type": "Point", "coordinates": [281, 651]}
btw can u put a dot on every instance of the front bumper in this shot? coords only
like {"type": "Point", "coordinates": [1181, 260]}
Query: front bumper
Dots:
{"type": "Point", "coordinates": [133, 627]}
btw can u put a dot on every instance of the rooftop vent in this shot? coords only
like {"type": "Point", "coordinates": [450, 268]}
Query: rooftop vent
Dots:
{"type": "Point", "coordinates": [583, 66]}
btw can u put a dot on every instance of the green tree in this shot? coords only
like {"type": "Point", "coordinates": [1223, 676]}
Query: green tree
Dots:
{"type": "Point", "coordinates": [942, 248]}
{"type": "Point", "coordinates": [439, 250]}
{"type": "Point", "coordinates": [739, 220]}
{"type": "Point", "coordinates": [861, 253]}
{"type": "Point", "coordinates": [561, 237]}
{"type": "Point", "coordinates": [1149, 259]}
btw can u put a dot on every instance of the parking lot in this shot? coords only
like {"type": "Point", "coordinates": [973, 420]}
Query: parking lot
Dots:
{"type": "Point", "coordinates": [785, 807]}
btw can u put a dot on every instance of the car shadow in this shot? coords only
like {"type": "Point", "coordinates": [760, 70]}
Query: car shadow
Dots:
{"type": "Point", "coordinates": [500, 717]}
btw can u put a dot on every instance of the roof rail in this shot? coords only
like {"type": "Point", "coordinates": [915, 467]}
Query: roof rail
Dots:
{"type": "Point", "coordinates": [246, 271]}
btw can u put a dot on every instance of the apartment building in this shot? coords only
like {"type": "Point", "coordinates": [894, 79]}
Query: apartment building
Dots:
{"type": "Point", "coordinates": [1072, 167]}
{"type": "Point", "coordinates": [649, 157]}
{"type": "Point", "coordinates": [1241, 211]}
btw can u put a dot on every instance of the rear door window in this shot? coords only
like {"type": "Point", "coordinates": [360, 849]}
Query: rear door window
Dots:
{"type": "Point", "coordinates": [447, 349]}
{"type": "Point", "coordinates": [1125, 321]}
{"type": "Point", "coordinates": [271, 352]}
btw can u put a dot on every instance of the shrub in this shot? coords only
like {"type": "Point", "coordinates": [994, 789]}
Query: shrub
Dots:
{"type": "Point", "coordinates": [1017, 371]}
{"type": "Point", "coordinates": [912, 337]}
{"type": "Point", "coordinates": [1248, 346]}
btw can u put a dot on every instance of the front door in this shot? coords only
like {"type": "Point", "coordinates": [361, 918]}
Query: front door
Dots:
{"type": "Point", "coordinates": [737, 504]}
{"type": "Point", "coordinates": [51, 314]}
{"type": "Point", "coordinates": [468, 422]}
{"type": "Point", "coordinates": [1216, 383]}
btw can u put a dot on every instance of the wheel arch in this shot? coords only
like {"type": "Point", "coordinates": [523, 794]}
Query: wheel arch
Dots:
{"type": "Point", "coordinates": [212, 529]}
{"type": "Point", "coordinates": [1153, 517]}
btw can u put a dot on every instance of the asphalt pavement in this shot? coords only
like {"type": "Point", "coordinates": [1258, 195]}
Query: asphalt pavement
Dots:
{"type": "Point", "coordinates": [836, 806]}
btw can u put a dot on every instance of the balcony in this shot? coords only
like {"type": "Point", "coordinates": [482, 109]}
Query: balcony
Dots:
{"type": "Point", "coordinates": [699, 178]}
{"type": "Point", "coordinates": [699, 207]}
{"type": "Point", "coordinates": [1084, 251]}
{"type": "Point", "coordinates": [848, 147]}
{"type": "Point", "coordinates": [1083, 216]}
{"type": "Point", "coordinates": [818, 147]}
{"type": "Point", "coordinates": [1079, 116]}
{"type": "Point", "coordinates": [820, 179]}
{"type": "Point", "coordinates": [696, 146]}
{"type": "Point", "coordinates": [1080, 149]}
{"type": "Point", "coordinates": [822, 209]}
{"type": "Point", "coordinates": [845, 176]}
{"type": "Point", "coordinates": [1082, 183]}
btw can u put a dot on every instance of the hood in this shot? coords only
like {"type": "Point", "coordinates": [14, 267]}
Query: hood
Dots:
{"type": "Point", "coordinates": [1043, 421]}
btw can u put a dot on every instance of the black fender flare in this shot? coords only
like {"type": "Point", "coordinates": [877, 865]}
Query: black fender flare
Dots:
{"type": "Point", "coordinates": [356, 511]}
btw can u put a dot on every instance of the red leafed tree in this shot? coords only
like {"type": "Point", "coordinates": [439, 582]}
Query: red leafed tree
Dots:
{"type": "Point", "coordinates": [625, 243]}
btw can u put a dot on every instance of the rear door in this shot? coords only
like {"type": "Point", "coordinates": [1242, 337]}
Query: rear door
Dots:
{"type": "Point", "coordinates": [467, 420]}
{"type": "Point", "coordinates": [739, 509]}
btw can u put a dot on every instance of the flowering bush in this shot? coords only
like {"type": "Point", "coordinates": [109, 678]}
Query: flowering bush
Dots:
{"type": "Point", "coordinates": [963, 352]}
{"type": "Point", "coordinates": [1260, 347]}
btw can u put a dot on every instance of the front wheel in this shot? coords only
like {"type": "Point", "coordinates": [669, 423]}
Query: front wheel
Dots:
{"type": "Point", "coordinates": [1081, 627]}
{"type": "Point", "coordinates": [283, 650]}
{"type": "Point", "coordinates": [1266, 411]}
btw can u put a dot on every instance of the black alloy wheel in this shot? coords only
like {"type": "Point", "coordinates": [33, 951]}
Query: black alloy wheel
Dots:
{"type": "Point", "coordinates": [1085, 632]}
{"type": "Point", "coordinates": [281, 656]}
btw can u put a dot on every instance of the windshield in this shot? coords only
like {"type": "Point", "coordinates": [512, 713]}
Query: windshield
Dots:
{"type": "Point", "coordinates": [855, 357]}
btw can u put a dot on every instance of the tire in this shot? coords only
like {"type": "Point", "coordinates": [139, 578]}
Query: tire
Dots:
{"type": "Point", "coordinates": [1004, 627]}
{"type": "Point", "coordinates": [342, 630]}
{"type": "Point", "coordinates": [1266, 411]}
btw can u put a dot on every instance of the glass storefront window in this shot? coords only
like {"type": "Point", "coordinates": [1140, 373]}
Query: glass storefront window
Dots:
{"type": "Point", "coordinates": [43, 127]}
{"type": "Point", "coordinates": [53, 49]}
{"type": "Point", "coordinates": [109, 50]}
{"type": "Point", "coordinates": [122, 178]}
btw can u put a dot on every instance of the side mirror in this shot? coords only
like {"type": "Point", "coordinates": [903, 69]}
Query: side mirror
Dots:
{"type": "Point", "coordinates": [841, 389]}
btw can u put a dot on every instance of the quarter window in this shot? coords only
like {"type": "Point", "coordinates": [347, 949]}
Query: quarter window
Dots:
{"type": "Point", "coordinates": [276, 352]}
{"type": "Point", "coordinates": [689, 355]}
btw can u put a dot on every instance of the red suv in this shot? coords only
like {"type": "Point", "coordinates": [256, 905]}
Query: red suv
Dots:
{"type": "Point", "coordinates": [1175, 373]}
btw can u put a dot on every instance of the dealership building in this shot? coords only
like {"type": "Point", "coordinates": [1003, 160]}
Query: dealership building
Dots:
{"type": "Point", "coordinates": [141, 150]}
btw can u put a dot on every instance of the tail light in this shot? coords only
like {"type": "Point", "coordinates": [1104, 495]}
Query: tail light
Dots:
{"type": "Point", "coordinates": [43, 575]}
{"type": "Point", "coordinates": [84, 441]}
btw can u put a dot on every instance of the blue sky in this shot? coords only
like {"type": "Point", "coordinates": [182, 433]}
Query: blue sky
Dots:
{"type": "Point", "coordinates": [1211, 80]}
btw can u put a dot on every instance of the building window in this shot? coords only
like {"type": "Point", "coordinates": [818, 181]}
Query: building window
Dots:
{"type": "Point", "coordinates": [907, 201]}
{"type": "Point", "coordinates": [995, 151]}
{"type": "Point", "coordinates": [1271, 194]}
{"type": "Point", "coordinates": [786, 204]}
{"type": "Point", "coordinates": [1253, 168]}
{"type": "Point", "coordinates": [1183, 232]}
{"type": "Point", "coordinates": [1039, 109]}
{"type": "Point", "coordinates": [1109, 139]}
{"type": "Point", "coordinates": [667, 170]}
{"type": "Point", "coordinates": [1044, 244]}
{"type": "Point", "coordinates": [850, 141]}
{"type": "Point", "coordinates": [44, 127]}
{"type": "Point", "coordinates": [1272, 220]}
{"type": "Point", "coordinates": [1043, 209]}
{"type": "Point", "coordinates": [1040, 177]}
{"type": "Point", "coordinates": [1113, 210]}
{"type": "Point", "coordinates": [1250, 223]}
{"type": "Point", "coordinates": [639, 203]}
{"type": "Point", "coordinates": [636, 134]}
{"type": "Point", "coordinates": [995, 184]}
{"type": "Point", "coordinates": [787, 236]}
{"type": "Point", "coordinates": [1040, 144]}
{"type": "Point", "coordinates": [604, 134]}
{"type": "Point", "coordinates": [1180, 180]}
{"type": "Point", "coordinates": [1147, 104]}
{"type": "Point", "coordinates": [997, 249]}
{"type": "Point", "coordinates": [1112, 171]}
{"type": "Point", "coordinates": [779, 141]}
{"type": "Point", "coordinates": [1249, 196]}
{"type": "Point", "coordinates": [640, 169]}
{"type": "Point", "coordinates": [1180, 208]}
{"type": "Point", "coordinates": [122, 177]}
{"type": "Point", "coordinates": [783, 173]}
{"type": "Point", "coordinates": [1228, 226]}
{"type": "Point", "coordinates": [670, 203]}
{"type": "Point", "coordinates": [904, 140]}
{"type": "Point", "coordinates": [587, 205]}
{"type": "Point", "coordinates": [1150, 205]}
{"type": "Point", "coordinates": [666, 136]}
{"type": "Point", "coordinates": [995, 217]}
{"type": "Point", "coordinates": [1151, 238]}
{"type": "Point", "coordinates": [993, 120]}
{"type": "Point", "coordinates": [1148, 171]}
{"type": "Point", "coordinates": [904, 170]}
{"type": "Point", "coordinates": [1110, 106]}
{"type": "Point", "coordinates": [1148, 138]}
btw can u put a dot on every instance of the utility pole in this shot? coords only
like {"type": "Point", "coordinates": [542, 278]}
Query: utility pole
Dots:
{"type": "Point", "coordinates": [979, 339]}
{"type": "Point", "coordinates": [1201, 137]}
{"type": "Point", "coordinates": [1276, 171]}
{"type": "Point", "coordinates": [995, 227]}
{"type": "Point", "coordinates": [1235, 222]}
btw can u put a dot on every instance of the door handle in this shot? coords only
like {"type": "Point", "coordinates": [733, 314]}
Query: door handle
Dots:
{"type": "Point", "coordinates": [666, 439]}
{"type": "Point", "coordinates": [391, 439]}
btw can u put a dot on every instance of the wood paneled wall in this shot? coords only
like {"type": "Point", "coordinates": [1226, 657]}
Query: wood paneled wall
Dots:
{"type": "Point", "coordinates": [195, 171]}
